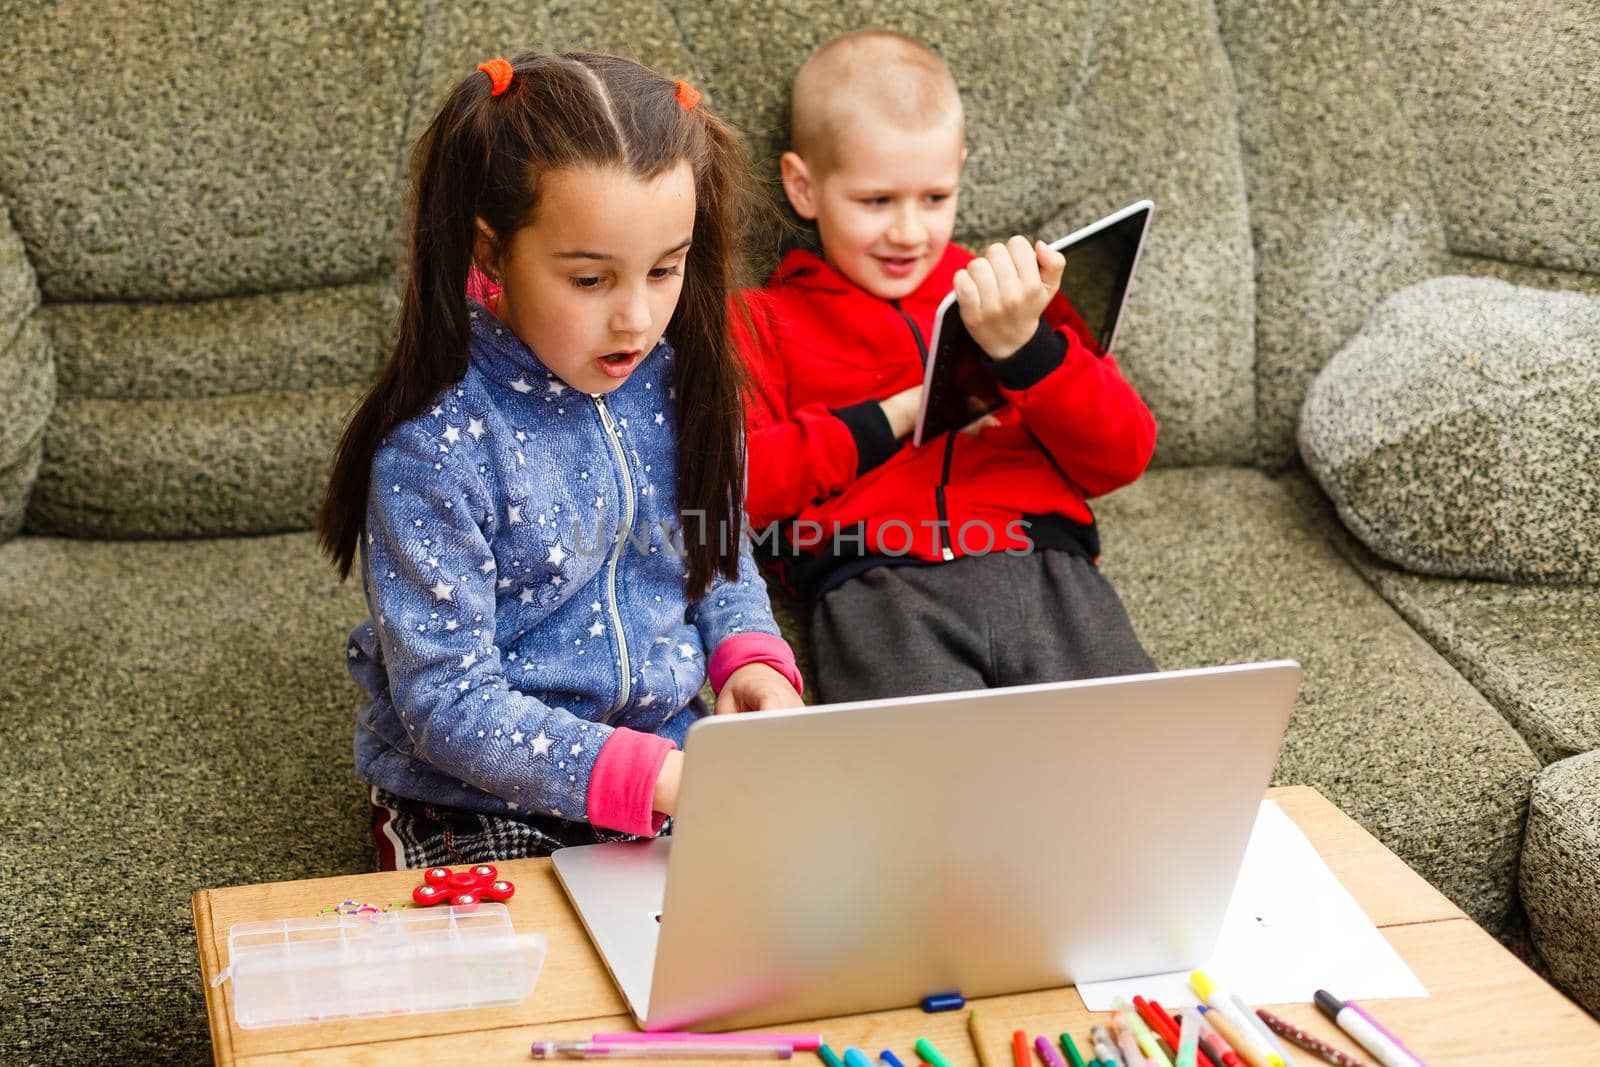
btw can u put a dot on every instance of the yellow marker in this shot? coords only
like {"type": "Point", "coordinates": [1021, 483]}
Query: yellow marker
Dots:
{"type": "Point", "coordinates": [1237, 1012]}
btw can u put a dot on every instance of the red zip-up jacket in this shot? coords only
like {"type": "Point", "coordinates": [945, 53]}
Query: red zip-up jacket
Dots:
{"type": "Point", "coordinates": [824, 462]}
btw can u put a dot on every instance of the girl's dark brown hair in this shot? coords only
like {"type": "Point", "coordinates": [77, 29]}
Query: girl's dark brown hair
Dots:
{"type": "Point", "coordinates": [484, 157]}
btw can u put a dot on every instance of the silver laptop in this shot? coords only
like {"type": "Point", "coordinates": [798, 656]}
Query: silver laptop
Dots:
{"type": "Point", "coordinates": [854, 857]}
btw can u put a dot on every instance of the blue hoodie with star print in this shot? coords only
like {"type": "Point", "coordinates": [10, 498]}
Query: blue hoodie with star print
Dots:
{"type": "Point", "coordinates": [514, 633]}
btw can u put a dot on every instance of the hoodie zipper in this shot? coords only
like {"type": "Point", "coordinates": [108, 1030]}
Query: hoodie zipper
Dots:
{"type": "Point", "coordinates": [946, 552]}
{"type": "Point", "coordinates": [615, 440]}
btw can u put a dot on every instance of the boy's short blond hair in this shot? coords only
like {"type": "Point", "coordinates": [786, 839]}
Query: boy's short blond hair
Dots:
{"type": "Point", "coordinates": [867, 75]}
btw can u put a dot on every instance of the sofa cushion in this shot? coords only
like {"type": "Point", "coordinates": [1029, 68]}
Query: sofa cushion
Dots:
{"type": "Point", "coordinates": [1221, 565]}
{"type": "Point", "coordinates": [186, 150]}
{"type": "Point", "coordinates": [27, 379]}
{"type": "Point", "coordinates": [176, 716]}
{"type": "Point", "coordinates": [208, 417]}
{"type": "Point", "coordinates": [1456, 432]}
{"type": "Point", "coordinates": [1120, 101]}
{"type": "Point", "coordinates": [1561, 874]}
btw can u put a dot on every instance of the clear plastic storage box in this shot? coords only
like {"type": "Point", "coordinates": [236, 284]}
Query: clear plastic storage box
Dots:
{"type": "Point", "coordinates": [392, 963]}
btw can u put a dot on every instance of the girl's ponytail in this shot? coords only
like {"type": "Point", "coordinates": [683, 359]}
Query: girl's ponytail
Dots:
{"type": "Point", "coordinates": [497, 133]}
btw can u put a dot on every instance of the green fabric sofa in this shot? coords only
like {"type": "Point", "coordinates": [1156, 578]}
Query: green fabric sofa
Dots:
{"type": "Point", "coordinates": [198, 215]}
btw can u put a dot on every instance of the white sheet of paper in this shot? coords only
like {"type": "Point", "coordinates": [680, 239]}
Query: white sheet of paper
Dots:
{"type": "Point", "coordinates": [1290, 930]}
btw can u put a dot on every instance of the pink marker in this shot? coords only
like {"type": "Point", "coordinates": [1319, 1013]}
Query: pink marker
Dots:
{"type": "Point", "coordinates": [798, 1042]}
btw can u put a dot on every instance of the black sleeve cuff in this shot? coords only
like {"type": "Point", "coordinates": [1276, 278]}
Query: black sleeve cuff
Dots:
{"type": "Point", "coordinates": [875, 441]}
{"type": "Point", "coordinates": [1029, 364]}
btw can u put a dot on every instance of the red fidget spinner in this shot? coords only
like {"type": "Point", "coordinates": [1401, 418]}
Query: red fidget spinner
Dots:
{"type": "Point", "coordinates": [462, 888]}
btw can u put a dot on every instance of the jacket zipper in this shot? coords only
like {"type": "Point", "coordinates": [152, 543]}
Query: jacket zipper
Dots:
{"type": "Point", "coordinates": [946, 552]}
{"type": "Point", "coordinates": [615, 440]}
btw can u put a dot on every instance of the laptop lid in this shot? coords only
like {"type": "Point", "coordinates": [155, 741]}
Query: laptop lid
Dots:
{"type": "Point", "coordinates": [859, 856]}
{"type": "Point", "coordinates": [1100, 261]}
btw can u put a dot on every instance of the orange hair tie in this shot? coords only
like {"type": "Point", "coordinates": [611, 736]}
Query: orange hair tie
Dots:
{"type": "Point", "coordinates": [687, 96]}
{"type": "Point", "coordinates": [499, 72]}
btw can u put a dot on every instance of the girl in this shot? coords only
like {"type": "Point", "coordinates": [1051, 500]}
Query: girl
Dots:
{"type": "Point", "coordinates": [548, 583]}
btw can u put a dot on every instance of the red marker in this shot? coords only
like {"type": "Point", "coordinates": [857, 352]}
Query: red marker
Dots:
{"type": "Point", "coordinates": [1020, 1054]}
{"type": "Point", "coordinates": [1156, 1017]}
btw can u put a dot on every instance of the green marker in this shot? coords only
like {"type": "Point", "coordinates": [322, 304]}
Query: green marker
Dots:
{"type": "Point", "coordinates": [1073, 1055]}
{"type": "Point", "coordinates": [830, 1057]}
{"type": "Point", "coordinates": [928, 1051]}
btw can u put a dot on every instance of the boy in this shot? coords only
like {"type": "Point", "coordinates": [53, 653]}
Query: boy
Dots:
{"type": "Point", "coordinates": [966, 563]}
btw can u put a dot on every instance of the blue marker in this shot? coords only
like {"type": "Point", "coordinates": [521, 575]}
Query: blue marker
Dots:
{"type": "Point", "coordinates": [943, 1002]}
{"type": "Point", "coordinates": [890, 1059]}
{"type": "Point", "coordinates": [854, 1057]}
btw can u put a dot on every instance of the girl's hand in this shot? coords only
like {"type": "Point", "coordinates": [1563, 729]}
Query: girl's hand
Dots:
{"type": "Point", "coordinates": [1003, 292]}
{"type": "Point", "coordinates": [665, 798]}
{"type": "Point", "coordinates": [756, 687]}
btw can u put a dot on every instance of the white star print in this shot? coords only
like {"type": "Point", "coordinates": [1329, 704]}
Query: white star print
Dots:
{"type": "Point", "coordinates": [646, 700]}
{"type": "Point", "coordinates": [575, 749]}
{"type": "Point", "coordinates": [554, 388]}
{"type": "Point", "coordinates": [599, 501]}
{"type": "Point", "coordinates": [686, 650]}
{"type": "Point", "coordinates": [451, 625]}
{"type": "Point", "coordinates": [660, 418]}
{"type": "Point", "coordinates": [354, 652]}
{"type": "Point", "coordinates": [503, 583]}
{"type": "Point", "coordinates": [521, 436]}
{"type": "Point", "coordinates": [437, 410]}
{"type": "Point", "coordinates": [516, 738]}
{"type": "Point", "coordinates": [521, 385]}
{"type": "Point", "coordinates": [486, 566]}
{"type": "Point", "coordinates": [594, 605]}
{"type": "Point", "coordinates": [597, 628]}
{"type": "Point", "coordinates": [526, 596]}
{"type": "Point", "coordinates": [475, 428]}
{"type": "Point", "coordinates": [513, 514]}
{"type": "Point", "coordinates": [442, 591]}
{"type": "Point", "coordinates": [556, 579]}
{"type": "Point", "coordinates": [468, 660]}
{"type": "Point", "coordinates": [557, 554]}
{"type": "Point", "coordinates": [452, 434]}
{"type": "Point", "coordinates": [541, 744]}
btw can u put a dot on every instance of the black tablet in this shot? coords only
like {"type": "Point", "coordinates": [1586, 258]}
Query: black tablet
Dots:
{"type": "Point", "coordinates": [956, 388]}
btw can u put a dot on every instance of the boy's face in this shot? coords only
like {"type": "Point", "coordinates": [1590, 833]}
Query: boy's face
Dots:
{"type": "Point", "coordinates": [886, 208]}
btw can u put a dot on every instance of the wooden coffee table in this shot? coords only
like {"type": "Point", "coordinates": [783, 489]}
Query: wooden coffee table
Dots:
{"type": "Point", "coordinates": [1486, 1007]}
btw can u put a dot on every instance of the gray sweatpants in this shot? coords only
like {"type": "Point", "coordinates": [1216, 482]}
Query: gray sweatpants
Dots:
{"type": "Point", "coordinates": [974, 623]}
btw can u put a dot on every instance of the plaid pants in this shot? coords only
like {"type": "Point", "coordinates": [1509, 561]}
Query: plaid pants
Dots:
{"type": "Point", "coordinates": [411, 834]}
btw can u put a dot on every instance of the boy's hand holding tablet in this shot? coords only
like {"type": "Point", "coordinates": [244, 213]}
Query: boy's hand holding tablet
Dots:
{"type": "Point", "coordinates": [1003, 292]}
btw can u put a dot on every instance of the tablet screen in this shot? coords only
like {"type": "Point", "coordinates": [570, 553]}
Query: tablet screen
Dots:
{"type": "Point", "coordinates": [1100, 263]}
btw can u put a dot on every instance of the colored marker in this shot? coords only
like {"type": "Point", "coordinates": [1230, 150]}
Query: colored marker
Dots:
{"type": "Point", "coordinates": [1143, 1034]}
{"type": "Point", "coordinates": [1317, 1047]}
{"type": "Point", "coordinates": [667, 1050]}
{"type": "Point", "coordinates": [890, 1059]}
{"type": "Point", "coordinates": [943, 1002]}
{"type": "Point", "coordinates": [1127, 1044]}
{"type": "Point", "coordinates": [1249, 1038]}
{"type": "Point", "coordinates": [1188, 1041]}
{"type": "Point", "coordinates": [830, 1057]}
{"type": "Point", "coordinates": [1070, 1047]}
{"type": "Point", "coordinates": [976, 1033]}
{"type": "Point", "coordinates": [1370, 1035]}
{"type": "Point", "coordinates": [798, 1042]}
{"type": "Point", "coordinates": [930, 1052]}
{"type": "Point", "coordinates": [854, 1057]}
{"type": "Point", "coordinates": [1214, 1044]}
{"type": "Point", "coordinates": [1105, 1048]}
{"type": "Point", "coordinates": [1260, 1028]}
{"type": "Point", "coordinates": [1048, 1053]}
{"type": "Point", "coordinates": [1244, 1049]}
{"type": "Point", "coordinates": [1156, 1017]}
{"type": "Point", "coordinates": [1020, 1056]}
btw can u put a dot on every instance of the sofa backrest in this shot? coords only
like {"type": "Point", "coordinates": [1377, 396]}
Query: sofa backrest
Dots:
{"type": "Point", "coordinates": [210, 196]}
{"type": "Point", "coordinates": [1388, 143]}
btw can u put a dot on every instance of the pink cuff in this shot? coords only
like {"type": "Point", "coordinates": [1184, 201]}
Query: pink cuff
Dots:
{"type": "Point", "coordinates": [741, 649]}
{"type": "Point", "coordinates": [623, 782]}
